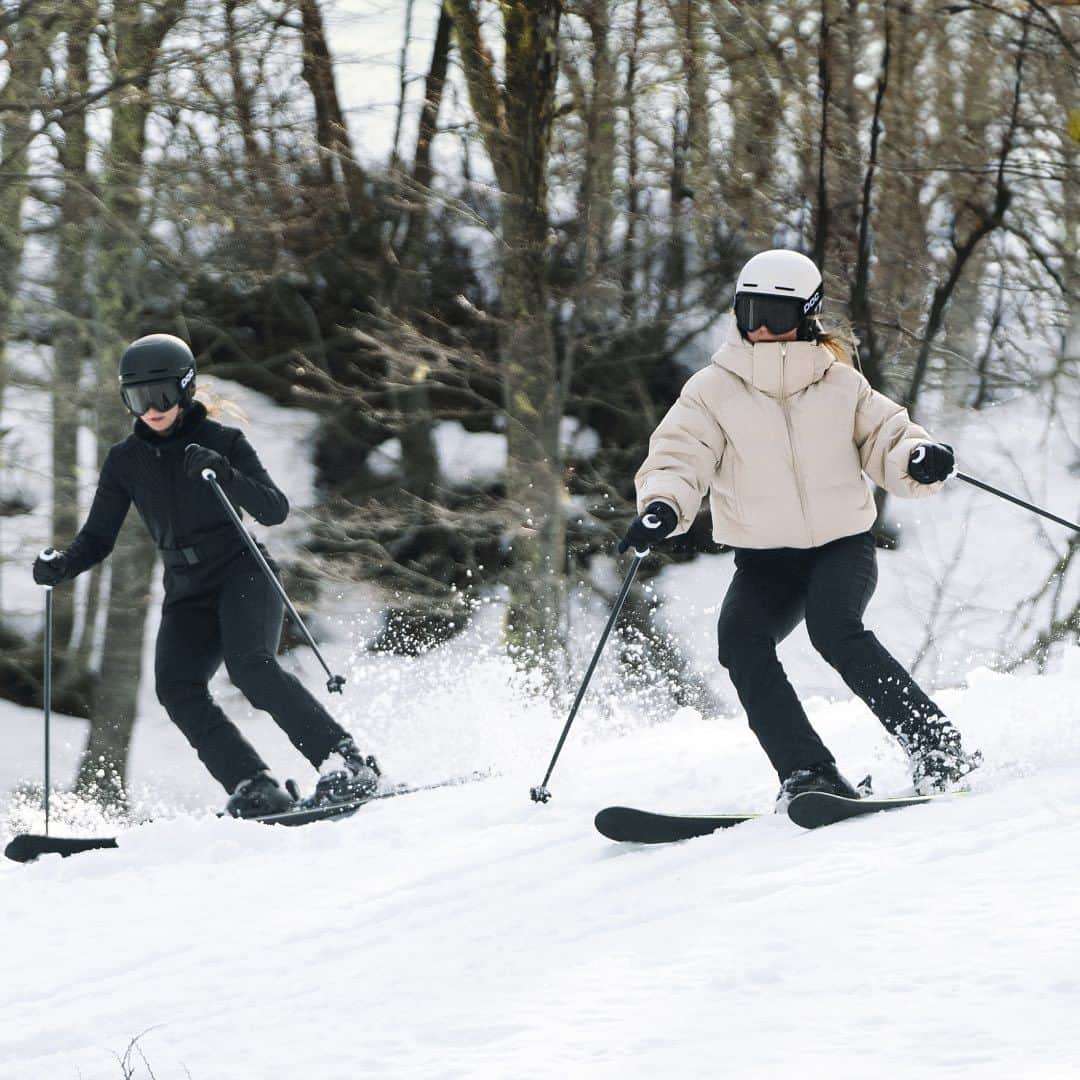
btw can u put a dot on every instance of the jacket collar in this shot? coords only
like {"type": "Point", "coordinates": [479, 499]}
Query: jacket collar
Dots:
{"type": "Point", "coordinates": [779, 369]}
{"type": "Point", "coordinates": [180, 434]}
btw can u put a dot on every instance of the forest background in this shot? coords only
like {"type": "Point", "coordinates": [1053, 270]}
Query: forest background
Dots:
{"type": "Point", "coordinates": [533, 238]}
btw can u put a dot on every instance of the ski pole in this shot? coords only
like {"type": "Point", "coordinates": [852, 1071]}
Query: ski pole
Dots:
{"type": "Point", "coordinates": [46, 692]}
{"type": "Point", "coordinates": [1019, 502]}
{"type": "Point", "coordinates": [541, 794]}
{"type": "Point", "coordinates": [335, 682]}
{"type": "Point", "coordinates": [48, 700]}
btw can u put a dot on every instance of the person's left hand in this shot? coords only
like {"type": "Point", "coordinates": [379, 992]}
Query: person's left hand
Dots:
{"type": "Point", "coordinates": [930, 463]}
{"type": "Point", "coordinates": [197, 458]}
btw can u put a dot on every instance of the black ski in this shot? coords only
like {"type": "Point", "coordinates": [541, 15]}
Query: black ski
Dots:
{"type": "Point", "coordinates": [26, 847]}
{"type": "Point", "coordinates": [813, 809]}
{"type": "Point", "coordinates": [627, 825]}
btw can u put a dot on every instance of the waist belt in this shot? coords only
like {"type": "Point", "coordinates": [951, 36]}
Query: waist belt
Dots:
{"type": "Point", "coordinates": [211, 547]}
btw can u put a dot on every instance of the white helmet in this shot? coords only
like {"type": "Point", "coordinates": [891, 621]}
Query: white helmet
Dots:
{"type": "Point", "coordinates": [791, 278]}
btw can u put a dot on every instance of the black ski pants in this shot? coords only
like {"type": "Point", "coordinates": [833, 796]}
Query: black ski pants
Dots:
{"type": "Point", "coordinates": [829, 586]}
{"type": "Point", "coordinates": [232, 613]}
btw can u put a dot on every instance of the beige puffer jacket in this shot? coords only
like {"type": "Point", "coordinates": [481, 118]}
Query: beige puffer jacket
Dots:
{"type": "Point", "coordinates": [781, 433]}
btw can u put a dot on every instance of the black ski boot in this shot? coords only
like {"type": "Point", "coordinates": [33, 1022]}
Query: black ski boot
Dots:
{"type": "Point", "coordinates": [347, 775]}
{"type": "Point", "coordinates": [258, 795]}
{"type": "Point", "coordinates": [824, 776]}
{"type": "Point", "coordinates": [938, 760]}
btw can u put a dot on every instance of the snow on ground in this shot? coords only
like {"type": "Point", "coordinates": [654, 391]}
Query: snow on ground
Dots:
{"type": "Point", "coordinates": [467, 932]}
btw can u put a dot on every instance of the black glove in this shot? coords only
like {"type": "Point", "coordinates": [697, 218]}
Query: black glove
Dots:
{"type": "Point", "coordinates": [931, 462]}
{"type": "Point", "coordinates": [50, 567]}
{"type": "Point", "coordinates": [197, 458]}
{"type": "Point", "coordinates": [648, 529]}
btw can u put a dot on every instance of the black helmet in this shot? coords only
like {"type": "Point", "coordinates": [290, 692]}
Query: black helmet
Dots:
{"type": "Point", "coordinates": [157, 371]}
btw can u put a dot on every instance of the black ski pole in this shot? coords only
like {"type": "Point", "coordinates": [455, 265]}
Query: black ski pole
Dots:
{"type": "Point", "coordinates": [48, 555]}
{"type": "Point", "coordinates": [541, 794]}
{"type": "Point", "coordinates": [335, 682]}
{"type": "Point", "coordinates": [1019, 502]}
{"type": "Point", "coordinates": [47, 696]}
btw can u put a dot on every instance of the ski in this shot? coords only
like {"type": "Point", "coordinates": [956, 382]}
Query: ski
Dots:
{"type": "Point", "coordinates": [813, 809]}
{"type": "Point", "coordinates": [27, 846]}
{"type": "Point", "coordinates": [627, 825]}
{"type": "Point", "coordinates": [307, 810]}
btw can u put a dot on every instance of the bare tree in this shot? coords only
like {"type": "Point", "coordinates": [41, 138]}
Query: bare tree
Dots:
{"type": "Point", "coordinates": [515, 122]}
{"type": "Point", "coordinates": [72, 334]}
{"type": "Point", "coordinates": [29, 38]}
{"type": "Point", "coordinates": [137, 40]}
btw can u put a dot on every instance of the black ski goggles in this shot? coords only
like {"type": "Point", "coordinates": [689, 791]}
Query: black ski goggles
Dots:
{"type": "Point", "coordinates": [161, 394]}
{"type": "Point", "coordinates": [778, 314]}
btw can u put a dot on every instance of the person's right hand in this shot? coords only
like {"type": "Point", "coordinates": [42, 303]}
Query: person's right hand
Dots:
{"type": "Point", "coordinates": [50, 567]}
{"type": "Point", "coordinates": [648, 529]}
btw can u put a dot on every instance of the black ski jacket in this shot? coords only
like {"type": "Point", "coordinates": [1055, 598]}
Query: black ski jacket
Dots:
{"type": "Point", "coordinates": [184, 516]}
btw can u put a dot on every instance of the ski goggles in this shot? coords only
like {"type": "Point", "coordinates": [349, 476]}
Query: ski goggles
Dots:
{"type": "Point", "coordinates": [161, 394]}
{"type": "Point", "coordinates": [778, 314]}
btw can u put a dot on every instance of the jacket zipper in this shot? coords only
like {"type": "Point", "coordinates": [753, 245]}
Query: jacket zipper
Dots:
{"type": "Point", "coordinates": [791, 443]}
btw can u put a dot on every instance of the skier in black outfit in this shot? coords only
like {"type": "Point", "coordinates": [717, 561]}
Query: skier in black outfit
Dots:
{"type": "Point", "coordinates": [219, 604]}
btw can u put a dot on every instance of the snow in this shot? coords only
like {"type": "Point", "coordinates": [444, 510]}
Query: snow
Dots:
{"type": "Point", "coordinates": [468, 932]}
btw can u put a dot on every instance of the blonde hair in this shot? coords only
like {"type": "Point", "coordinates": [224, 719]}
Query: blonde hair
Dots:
{"type": "Point", "coordinates": [841, 342]}
{"type": "Point", "coordinates": [218, 406]}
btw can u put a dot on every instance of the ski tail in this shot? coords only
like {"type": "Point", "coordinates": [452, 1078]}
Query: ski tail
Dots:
{"type": "Point", "coordinates": [26, 847]}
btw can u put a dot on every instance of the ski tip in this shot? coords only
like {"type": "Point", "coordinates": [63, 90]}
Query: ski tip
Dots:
{"type": "Point", "coordinates": [615, 822]}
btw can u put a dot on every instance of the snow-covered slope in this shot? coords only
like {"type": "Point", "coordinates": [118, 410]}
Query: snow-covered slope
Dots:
{"type": "Point", "coordinates": [467, 932]}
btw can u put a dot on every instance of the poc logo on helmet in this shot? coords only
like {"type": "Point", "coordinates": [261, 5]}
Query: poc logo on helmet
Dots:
{"type": "Point", "coordinates": [187, 378]}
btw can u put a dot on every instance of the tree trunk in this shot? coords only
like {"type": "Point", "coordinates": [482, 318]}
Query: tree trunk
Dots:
{"type": "Point", "coordinates": [422, 170]}
{"type": "Point", "coordinates": [242, 97]}
{"type": "Point", "coordinates": [418, 453]}
{"type": "Point", "coordinates": [103, 769]}
{"type": "Point", "coordinates": [836, 241]}
{"type": "Point", "coordinates": [331, 131]}
{"type": "Point", "coordinates": [629, 261]}
{"type": "Point", "coordinates": [26, 57]}
{"type": "Point", "coordinates": [71, 343]}
{"type": "Point", "coordinates": [516, 124]}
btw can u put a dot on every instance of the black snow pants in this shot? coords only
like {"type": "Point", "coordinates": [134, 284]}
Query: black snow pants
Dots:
{"type": "Point", "coordinates": [229, 611]}
{"type": "Point", "coordinates": [829, 586]}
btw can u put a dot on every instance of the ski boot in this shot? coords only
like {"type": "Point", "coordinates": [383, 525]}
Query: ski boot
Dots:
{"type": "Point", "coordinates": [258, 795]}
{"type": "Point", "coordinates": [346, 775]}
{"type": "Point", "coordinates": [938, 761]}
{"type": "Point", "coordinates": [824, 776]}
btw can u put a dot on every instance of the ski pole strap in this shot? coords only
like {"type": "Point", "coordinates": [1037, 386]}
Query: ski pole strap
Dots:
{"type": "Point", "coordinates": [1019, 502]}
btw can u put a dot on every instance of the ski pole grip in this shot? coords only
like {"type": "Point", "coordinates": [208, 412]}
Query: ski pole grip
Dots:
{"type": "Point", "coordinates": [49, 554]}
{"type": "Point", "coordinates": [208, 475]}
{"type": "Point", "coordinates": [650, 521]}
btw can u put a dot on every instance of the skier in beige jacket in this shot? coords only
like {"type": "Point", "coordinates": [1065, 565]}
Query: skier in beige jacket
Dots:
{"type": "Point", "coordinates": [782, 432]}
